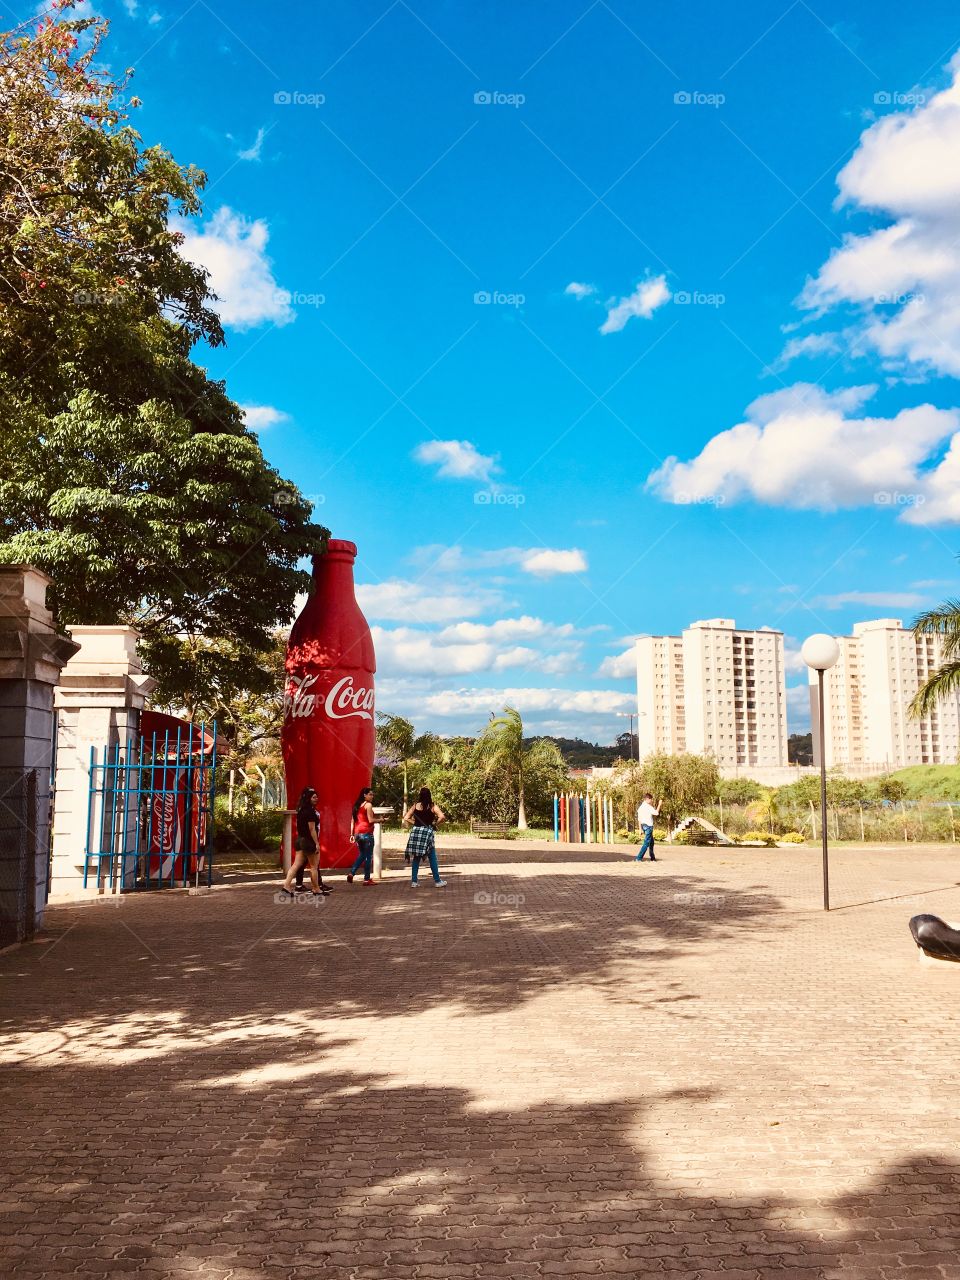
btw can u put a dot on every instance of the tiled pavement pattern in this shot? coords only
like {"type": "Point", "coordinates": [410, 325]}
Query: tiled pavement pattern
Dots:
{"type": "Point", "coordinates": [591, 1074]}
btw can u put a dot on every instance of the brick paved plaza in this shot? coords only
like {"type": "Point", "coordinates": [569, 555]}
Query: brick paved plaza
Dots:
{"type": "Point", "coordinates": [610, 1069]}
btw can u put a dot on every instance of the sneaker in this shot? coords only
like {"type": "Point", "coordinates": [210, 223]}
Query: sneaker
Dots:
{"type": "Point", "coordinates": [350, 878]}
{"type": "Point", "coordinates": [440, 884]}
{"type": "Point", "coordinates": [413, 884]}
{"type": "Point", "coordinates": [368, 884]}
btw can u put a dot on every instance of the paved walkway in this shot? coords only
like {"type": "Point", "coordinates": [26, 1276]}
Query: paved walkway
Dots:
{"type": "Point", "coordinates": [560, 1065]}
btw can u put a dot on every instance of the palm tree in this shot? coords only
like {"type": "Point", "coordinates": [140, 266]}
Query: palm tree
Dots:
{"type": "Point", "coordinates": [500, 745]}
{"type": "Point", "coordinates": [402, 742]}
{"type": "Point", "coordinates": [944, 622]}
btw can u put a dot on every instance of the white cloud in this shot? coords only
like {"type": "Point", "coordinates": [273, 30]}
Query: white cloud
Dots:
{"type": "Point", "coordinates": [456, 459]}
{"type": "Point", "coordinates": [131, 7]}
{"type": "Point", "coordinates": [260, 416]}
{"type": "Point", "coordinates": [793, 662]}
{"type": "Point", "coordinates": [233, 250]}
{"type": "Point", "coordinates": [549, 562]}
{"type": "Point", "coordinates": [580, 291]}
{"type": "Point", "coordinates": [874, 599]}
{"type": "Point", "coordinates": [464, 648]}
{"type": "Point", "coordinates": [412, 602]}
{"type": "Point", "coordinates": [801, 448]}
{"type": "Point", "coordinates": [644, 300]}
{"type": "Point", "coordinates": [155, 18]}
{"type": "Point", "coordinates": [813, 344]}
{"type": "Point", "coordinates": [253, 152]}
{"type": "Point", "coordinates": [543, 562]}
{"type": "Point", "coordinates": [903, 278]}
{"type": "Point", "coordinates": [457, 702]}
{"type": "Point", "coordinates": [620, 666]}
{"type": "Point", "coordinates": [798, 707]}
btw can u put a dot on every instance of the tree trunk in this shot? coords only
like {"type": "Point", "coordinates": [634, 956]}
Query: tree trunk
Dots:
{"type": "Point", "coordinates": [522, 813]}
{"type": "Point", "coordinates": [405, 786]}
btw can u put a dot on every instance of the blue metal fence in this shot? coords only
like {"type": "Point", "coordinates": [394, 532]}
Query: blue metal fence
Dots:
{"type": "Point", "coordinates": [150, 811]}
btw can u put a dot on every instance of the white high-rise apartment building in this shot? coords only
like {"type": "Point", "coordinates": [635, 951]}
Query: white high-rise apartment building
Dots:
{"type": "Point", "coordinates": [867, 696]}
{"type": "Point", "coordinates": [661, 723]}
{"type": "Point", "coordinates": [714, 689]}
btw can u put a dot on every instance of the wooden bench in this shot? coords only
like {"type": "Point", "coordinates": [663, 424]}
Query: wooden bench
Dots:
{"type": "Point", "coordinates": [500, 829]}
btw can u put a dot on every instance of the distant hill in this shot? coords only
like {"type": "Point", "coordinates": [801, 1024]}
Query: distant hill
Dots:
{"type": "Point", "coordinates": [581, 755]}
{"type": "Point", "coordinates": [930, 781]}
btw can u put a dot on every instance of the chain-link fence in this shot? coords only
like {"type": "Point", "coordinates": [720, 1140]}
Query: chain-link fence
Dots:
{"type": "Point", "coordinates": [19, 853]}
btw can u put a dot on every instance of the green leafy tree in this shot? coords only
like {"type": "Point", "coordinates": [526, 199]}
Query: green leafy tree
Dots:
{"type": "Point", "coordinates": [944, 622]}
{"type": "Point", "coordinates": [241, 690]}
{"type": "Point", "coordinates": [398, 741]}
{"type": "Point", "coordinates": [87, 250]}
{"type": "Point", "coordinates": [683, 784]}
{"type": "Point", "coordinates": [501, 747]}
{"type": "Point", "coordinates": [545, 772]}
{"type": "Point", "coordinates": [128, 474]}
{"type": "Point", "coordinates": [739, 790]}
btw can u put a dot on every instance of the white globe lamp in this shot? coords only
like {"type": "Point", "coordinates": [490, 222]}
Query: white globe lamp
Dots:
{"type": "Point", "coordinates": [820, 652]}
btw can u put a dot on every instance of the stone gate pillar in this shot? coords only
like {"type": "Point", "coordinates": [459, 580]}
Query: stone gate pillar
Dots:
{"type": "Point", "coordinates": [101, 694]}
{"type": "Point", "coordinates": [32, 654]}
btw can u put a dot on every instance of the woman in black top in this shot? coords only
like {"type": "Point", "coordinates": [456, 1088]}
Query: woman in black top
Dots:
{"type": "Point", "coordinates": [308, 843]}
{"type": "Point", "coordinates": [425, 817]}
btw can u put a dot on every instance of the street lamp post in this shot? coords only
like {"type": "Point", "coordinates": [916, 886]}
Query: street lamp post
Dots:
{"type": "Point", "coordinates": [632, 715]}
{"type": "Point", "coordinates": [820, 652]}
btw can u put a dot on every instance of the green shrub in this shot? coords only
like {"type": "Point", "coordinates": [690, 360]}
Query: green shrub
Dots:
{"type": "Point", "coordinates": [759, 837]}
{"type": "Point", "coordinates": [253, 830]}
{"type": "Point", "coordinates": [792, 837]}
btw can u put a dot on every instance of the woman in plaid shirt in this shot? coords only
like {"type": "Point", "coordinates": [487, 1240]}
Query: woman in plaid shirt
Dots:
{"type": "Point", "coordinates": [421, 843]}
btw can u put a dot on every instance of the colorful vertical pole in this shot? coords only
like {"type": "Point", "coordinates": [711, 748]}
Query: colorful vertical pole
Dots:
{"type": "Point", "coordinates": [556, 819]}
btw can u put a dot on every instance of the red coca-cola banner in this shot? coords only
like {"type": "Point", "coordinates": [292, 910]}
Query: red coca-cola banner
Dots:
{"type": "Point", "coordinates": [180, 784]}
{"type": "Point", "coordinates": [329, 733]}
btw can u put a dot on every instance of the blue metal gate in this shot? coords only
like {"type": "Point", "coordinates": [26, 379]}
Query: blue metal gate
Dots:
{"type": "Point", "coordinates": [150, 811]}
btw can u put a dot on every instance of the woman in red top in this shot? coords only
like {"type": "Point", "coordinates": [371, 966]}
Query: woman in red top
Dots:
{"type": "Point", "coordinates": [361, 834]}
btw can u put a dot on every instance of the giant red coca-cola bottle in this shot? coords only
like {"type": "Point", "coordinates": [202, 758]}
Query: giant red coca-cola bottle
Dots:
{"type": "Point", "coordinates": [328, 727]}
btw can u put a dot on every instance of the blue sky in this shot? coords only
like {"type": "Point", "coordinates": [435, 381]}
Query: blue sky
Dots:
{"type": "Point", "coordinates": [753, 203]}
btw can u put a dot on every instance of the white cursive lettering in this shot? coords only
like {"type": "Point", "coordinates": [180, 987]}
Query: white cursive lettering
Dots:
{"type": "Point", "coordinates": [344, 701]}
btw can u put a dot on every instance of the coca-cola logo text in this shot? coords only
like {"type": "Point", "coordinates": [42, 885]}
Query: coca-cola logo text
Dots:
{"type": "Point", "coordinates": [344, 701]}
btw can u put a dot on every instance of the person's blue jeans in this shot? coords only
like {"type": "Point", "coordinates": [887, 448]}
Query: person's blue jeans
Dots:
{"type": "Point", "coordinates": [647, 844]}
{"type": "Point", "coordinates": [365, 855]}
{"type": "Point", "coordinates": [434, 866]}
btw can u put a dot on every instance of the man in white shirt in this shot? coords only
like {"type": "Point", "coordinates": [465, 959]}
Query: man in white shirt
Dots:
{"type": "Point", "coordinates": [645, 816]}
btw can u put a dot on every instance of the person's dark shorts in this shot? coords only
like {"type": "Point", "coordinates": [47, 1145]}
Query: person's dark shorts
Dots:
{"type": "Point", "coordinates": [306, 846]}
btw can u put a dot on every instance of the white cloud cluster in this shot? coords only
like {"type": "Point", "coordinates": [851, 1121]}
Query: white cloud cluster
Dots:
{"type": "Point", "coordinates": [806, 448]}
{"type": "Point", "coordinates": [541, 562]}
{"type": "Point", "coordinates": [232, 248]}
{"type": "Point", "coordinates": [579, 291]}
{"type": "Point", "coordinates": [548, 562]}
{"type": "Point", "coordinates": [903, 278]}
{"type": "Point", "coordinates": [620, 666]}
{"type": "Point", "coordinates": [398, 600]}
{"type": "Point", "coordinates": [456, 459]}
{"type": "Point", "coordinates": [467, 648]}
{"type": "Point", "coordinates": [645, 299]}
{"type": "Point", "coordinates": [260, 416]}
